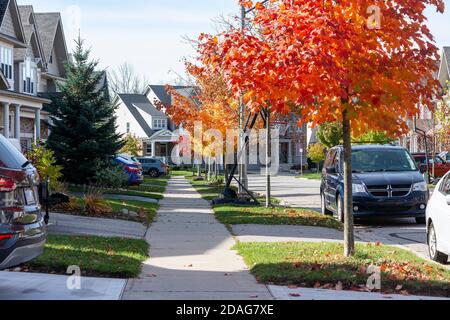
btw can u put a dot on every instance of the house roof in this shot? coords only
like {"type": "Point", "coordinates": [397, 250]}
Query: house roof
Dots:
{"type": "Point", "coordinates": [138, 101]}
{"type": "Point", "coordinates": [20, 38]}
{"type": "Point", "coordinates": [149, 109]}
{"type": "Point", "coordinates": [48, 25]}
{"type": "Point", "coordinates": [164, 97]}
{"type": "Point", "coordinates": [25, 12]}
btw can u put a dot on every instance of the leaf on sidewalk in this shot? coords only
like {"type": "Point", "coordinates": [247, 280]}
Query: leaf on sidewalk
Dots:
{"type": "Point", "coordinates": [295, 294]}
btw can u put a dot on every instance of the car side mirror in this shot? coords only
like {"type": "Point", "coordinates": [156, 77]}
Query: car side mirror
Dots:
{"type": "Point", "coordinates": [447, 198]}
{"type": "Point", "coordinates": [331, 170]}
{"type": "Point", "coordinates": [423, 168]}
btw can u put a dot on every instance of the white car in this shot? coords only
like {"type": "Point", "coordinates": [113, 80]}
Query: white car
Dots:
{"type": "Point", "coordinates": [438, 221]}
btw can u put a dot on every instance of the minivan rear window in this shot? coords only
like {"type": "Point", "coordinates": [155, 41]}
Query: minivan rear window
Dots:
{"type": "Point", "coordinates": [10, 157]}
{"type": "Point", "coordinates": [377, 160]}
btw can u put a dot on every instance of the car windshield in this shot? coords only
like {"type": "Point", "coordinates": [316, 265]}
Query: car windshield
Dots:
{"type": "Point", "coordinates": [376, 160]}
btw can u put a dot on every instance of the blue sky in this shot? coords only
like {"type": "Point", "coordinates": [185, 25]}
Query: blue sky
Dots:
{"type": "Point", "coordinates": [149, 33]}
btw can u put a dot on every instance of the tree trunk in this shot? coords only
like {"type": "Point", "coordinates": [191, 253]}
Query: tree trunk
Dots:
{"type": "Point", "coordinates": [349, 238]}
{"type": "Point", "coordinates": [268, 149]}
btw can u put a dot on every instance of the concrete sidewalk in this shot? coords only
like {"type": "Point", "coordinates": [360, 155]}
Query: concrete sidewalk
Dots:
{"type": "Point", "coordinates": [34, 286]}
{"type": "Point", "coordinates": [285, 293]}
{"type": "Point", "coordinates": [190, 254]}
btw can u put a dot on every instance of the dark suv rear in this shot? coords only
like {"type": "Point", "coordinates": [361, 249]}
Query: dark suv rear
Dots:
{"type": "Point", "coordinates": [22, 228]}
{"type": "Point", "coordinates": [386, 183]}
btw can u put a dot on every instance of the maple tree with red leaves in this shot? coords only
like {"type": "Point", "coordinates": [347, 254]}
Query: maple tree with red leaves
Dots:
{"type": "Point", "coordinates": [323, 60]}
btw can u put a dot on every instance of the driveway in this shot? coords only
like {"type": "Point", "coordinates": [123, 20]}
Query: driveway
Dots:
{"type": "Point", "coordinates": [32, 286]}
{"type": "Point", "coordinates": [291, 190]}
{"type": "Point", "coordinates": [78, 225]}
{"type": "Point", "coordinates": [305, 193]}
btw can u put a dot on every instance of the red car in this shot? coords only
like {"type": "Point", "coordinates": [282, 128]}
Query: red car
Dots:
{"type": "Point", "coordinates": [441, 167]}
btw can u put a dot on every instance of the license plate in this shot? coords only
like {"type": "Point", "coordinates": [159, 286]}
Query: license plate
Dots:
{"type": "Point", "coordinates": [29, 197]}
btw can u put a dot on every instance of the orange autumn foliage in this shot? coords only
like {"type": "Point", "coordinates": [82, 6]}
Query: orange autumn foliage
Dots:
{"type": "Point", "coordinates": [321, 58]}
{"type": "Point", "coordinates": [213, 104]}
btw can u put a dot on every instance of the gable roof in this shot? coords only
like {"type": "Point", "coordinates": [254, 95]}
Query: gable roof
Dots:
{"type": "Point", "coordinates": [138, 101]}
{"type": "Point", "coordinates": [32, 36]}
{"type": "Point", "coordinates": [49, 26]}
{"type": "Point", "coordinates": [4, 5]}
{"type": "Point", "coordinates": [164, 97]}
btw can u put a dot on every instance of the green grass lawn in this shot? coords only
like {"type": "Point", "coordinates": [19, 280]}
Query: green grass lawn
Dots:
{"type": "Point", "coordinates": [160, 181]}
{"type": "Point", "coordinates": [311, 176]}
{"type": "Point", "coordinates": [207, 191]}
{"type": "Point", "coordinates": [235, 214]}
{"type": "Point", "coordinates": [181, 173]}
{"type": "Point", "coordinates": [133, 191]}
{"type": "Point", "coordinates": [96, 256]}
{"type": "Point", "coordinates": [322, 265]}
{"type": "Point", "coordinates": [150, 208]}
{"type": "Point", "coordinates": [137, 193]}
{"type": "Point", "coordinates": [148, 188]}
{"type": "Point", "coordinates": [117, 207]}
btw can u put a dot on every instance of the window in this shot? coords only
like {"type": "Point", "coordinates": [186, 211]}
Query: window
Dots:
{"type": "Point", "coordinates": [51, 58]}
{"type": "Point", "coordinates": [29, 77]}
{"type": "Point", "coordinates": [159, 124]}
{"type": "Point", "coordinates": [6, 61]}
{"type": "Point", "coordinates": [382, 160]}
{"type": "Point", "coordinates": [128, 127]}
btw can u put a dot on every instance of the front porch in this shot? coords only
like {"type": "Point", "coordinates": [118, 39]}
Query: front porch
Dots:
{"type": "Point", "coordinates": [21, 118]}
{"type": "Point", "coordinates": [160, 145]}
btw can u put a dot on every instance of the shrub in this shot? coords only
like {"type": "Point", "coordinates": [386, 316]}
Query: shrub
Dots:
{"type": "Point", "coordinates": [45, 163]}
{"type": "Point", "coordinates": [72, 206]}
{"type": "Point", "coordinates": [95, 204]}
{"type": "Point", "coordinates": [217, 181]}
{"type": "Point", "coordinates": [111, 178]}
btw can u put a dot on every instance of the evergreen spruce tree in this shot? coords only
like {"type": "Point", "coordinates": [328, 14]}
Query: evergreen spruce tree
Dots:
{"type": "Point", "coordinates": [83, 131]}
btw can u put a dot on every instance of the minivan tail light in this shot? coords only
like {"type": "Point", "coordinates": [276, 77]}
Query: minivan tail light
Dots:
{"type": "Point", "coordinates": [132, 169]}
{"type": "Point", "coordinates": [7, 185]}
{"type": "Point", "coordinates": [6, 236]}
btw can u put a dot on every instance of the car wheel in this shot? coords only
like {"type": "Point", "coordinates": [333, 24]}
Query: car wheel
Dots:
{"type": "Point", "coordinates": [432, 245]}
{"type": "Point", "coordinates": [324, 209]}
{"type": "Point", "coordinates": [153, 173]}
{"type": "Point", "coordinates": [340, 209]}
{"type": "Point", "coordinates": [421, 220]}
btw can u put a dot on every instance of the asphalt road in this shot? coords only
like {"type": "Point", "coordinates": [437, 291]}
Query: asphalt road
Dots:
{"type": "Point", "coordinates": [305, 193]}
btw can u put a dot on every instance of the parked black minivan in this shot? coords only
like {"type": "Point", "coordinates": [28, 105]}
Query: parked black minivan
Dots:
{"type": "Point", "coordinates": [386, 183]}
{"type": "Point", "coordinates": [22, 228]}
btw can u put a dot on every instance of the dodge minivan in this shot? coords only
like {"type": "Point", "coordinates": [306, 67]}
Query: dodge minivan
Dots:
{"type": "Point", "coordinates": [386, 183]}
{"type": "Point", "coordinates": [22, 228]}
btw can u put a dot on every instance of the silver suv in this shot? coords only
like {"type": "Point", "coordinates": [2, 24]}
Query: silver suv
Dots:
{"type": "Point", "coordinates": [22, 228]}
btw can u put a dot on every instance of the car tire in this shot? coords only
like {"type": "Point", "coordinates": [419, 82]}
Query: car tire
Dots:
{"type": "Point", "coordinates": [339, 209]}
{"type": "Point", "coordinates": [432, 246]}
{"type": "Point", "coordinates": [153, 173]}
{"type": "Point", "coordinates": [323, 206]}
{"type": "Point", "coordinates": [421, 220]}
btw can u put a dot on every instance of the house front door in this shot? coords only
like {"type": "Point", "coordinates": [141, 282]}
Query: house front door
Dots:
{"type": "Point", "coordinates": [284, 152]}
